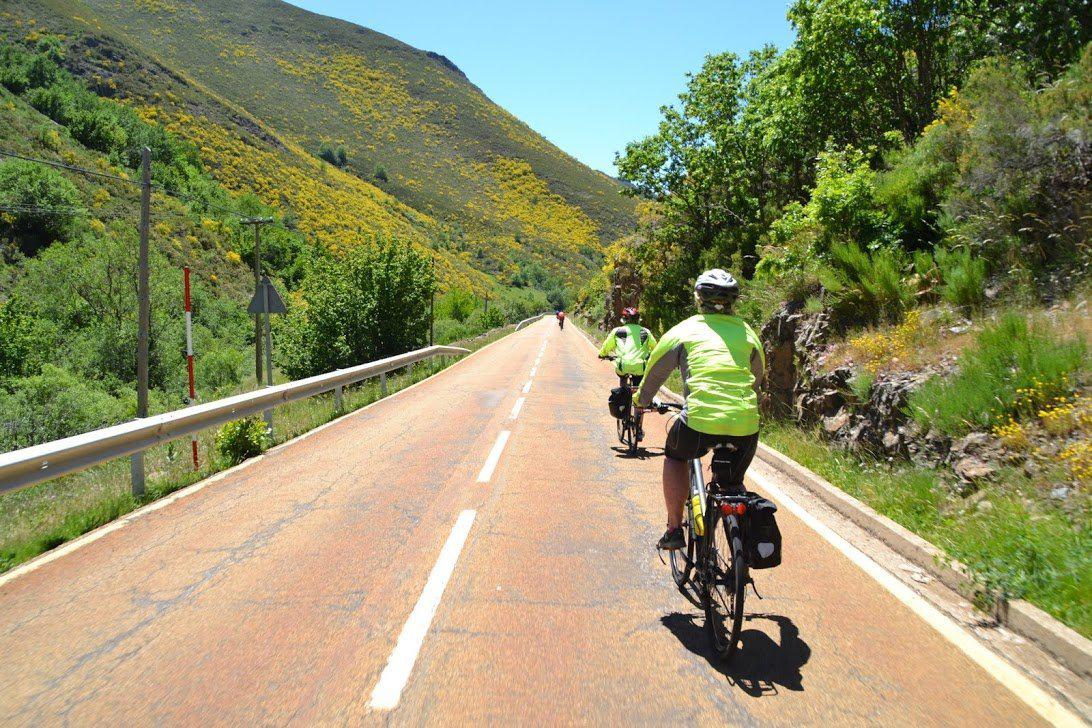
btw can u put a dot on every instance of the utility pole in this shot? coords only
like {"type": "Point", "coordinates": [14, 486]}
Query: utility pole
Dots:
{"type": "Point", "coordinates": [432, 305]}
{"type": "Point", "coordinates": [257, 223]}
{"type": "Point", "coordinates": [144, 313]}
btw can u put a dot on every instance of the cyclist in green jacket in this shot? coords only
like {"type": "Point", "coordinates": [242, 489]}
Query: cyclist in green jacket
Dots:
{"type": "Point", "coordinates": [631, 344]}
{"type": "Point", "coordinates": [722, 362]}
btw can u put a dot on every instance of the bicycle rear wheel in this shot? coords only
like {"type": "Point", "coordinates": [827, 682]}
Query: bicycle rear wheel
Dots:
{"type": "Point", "coordinates": [724, 580]}
{"type": "Point", "coordinates": [632, 443]}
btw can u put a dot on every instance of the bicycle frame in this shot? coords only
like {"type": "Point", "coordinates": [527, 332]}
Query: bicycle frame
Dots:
{"type": "Point", "coordinates": [698, 497]}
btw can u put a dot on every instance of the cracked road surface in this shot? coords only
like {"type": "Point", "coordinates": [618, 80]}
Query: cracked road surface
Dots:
{"type": "Point", "coordinates": [277, 594]}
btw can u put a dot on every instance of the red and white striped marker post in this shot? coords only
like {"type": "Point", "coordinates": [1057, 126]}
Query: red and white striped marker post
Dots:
{"type": "Point", "coordinates": [189, 357]}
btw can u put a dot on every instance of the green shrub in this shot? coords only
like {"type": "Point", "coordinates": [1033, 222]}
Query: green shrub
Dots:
{"type": "Point", "coordinates": [30, 188]}
{"type": "Point", "coordinates": [861, 384]}
{"type": "Point", "coordinates": [1014, 369]}
{"type": "Point", "coordinates": [55, 102]}
{"type": "Point", "coordinates": [486, 319]}
{"type": "Point", "coordinates": [236, 441]}
{"type": "Point", "coordinates": [219, 368]}
{"type": "Point", "coordinates": [14, 62]}
{"type": "Point", "coordinates": [448, 330]}
{"type": "Point", "coordinates": [867, 287]}
{"type": "Point", "coordinates": [337, 156]}
{"type": "Point", "coordinates": [963, 277]}
{"type": "Point", "coordinates": [21, 346]}
{"type": "Point", "coordinates": [457, 304]}
{"type": "Point", "coordinates": [52, 405]}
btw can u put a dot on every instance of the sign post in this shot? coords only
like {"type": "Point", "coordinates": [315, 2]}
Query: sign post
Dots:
{"type": "Point", "coordinates": [267, 301]}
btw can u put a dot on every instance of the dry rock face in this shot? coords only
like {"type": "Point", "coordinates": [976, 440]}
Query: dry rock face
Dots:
{"type": "Point", "coordinates": [796, 386]}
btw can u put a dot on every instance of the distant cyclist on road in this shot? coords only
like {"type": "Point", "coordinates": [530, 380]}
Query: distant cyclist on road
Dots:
{"type": "Point", "coordinates": [631, 344]}
{"type": "Point", "coordinates": [561, 320]}
{"type": "Point", "coordinates": [722, 362]}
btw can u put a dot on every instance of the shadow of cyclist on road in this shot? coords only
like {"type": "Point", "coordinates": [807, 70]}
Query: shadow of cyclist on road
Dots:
{"type": "Point", "coordinates": [760, 664]}
{"type": "Point", "coordinates": [642, 453]}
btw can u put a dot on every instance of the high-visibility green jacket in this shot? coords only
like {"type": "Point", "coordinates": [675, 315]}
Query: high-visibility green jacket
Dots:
{"type": "Point", "coordinates": [721, 361]}
{"type": "Point", "coordinates": [631, 344]}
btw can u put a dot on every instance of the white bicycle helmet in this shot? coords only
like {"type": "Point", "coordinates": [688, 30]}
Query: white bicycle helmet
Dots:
{"type": "Point", "coordinates": [716, 290]}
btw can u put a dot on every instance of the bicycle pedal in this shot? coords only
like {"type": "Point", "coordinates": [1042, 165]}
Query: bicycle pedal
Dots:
{"type": "Point", "coordinates": [754, 588]}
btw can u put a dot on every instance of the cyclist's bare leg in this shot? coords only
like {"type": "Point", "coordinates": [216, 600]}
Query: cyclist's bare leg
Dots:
{"type": "Point", "coordinates": [676, 489]}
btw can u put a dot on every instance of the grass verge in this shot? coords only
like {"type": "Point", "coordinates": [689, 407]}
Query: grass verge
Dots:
{"type": "Point", "coordinates": [36, 519]}
{"type": "Point", "coordinates": [1019, 545]}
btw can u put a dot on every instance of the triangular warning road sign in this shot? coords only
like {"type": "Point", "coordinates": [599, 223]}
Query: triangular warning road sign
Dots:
{"type": "Point", "coordinates": [266, 292]}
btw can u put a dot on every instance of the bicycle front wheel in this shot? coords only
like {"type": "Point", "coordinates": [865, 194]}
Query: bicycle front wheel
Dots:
{"type": "Point", "coordinates": [724, 580]}
{"type": "Point", "coordinates": [682, 565]}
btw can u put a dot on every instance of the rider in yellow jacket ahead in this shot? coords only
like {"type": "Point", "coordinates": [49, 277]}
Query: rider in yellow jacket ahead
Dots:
{"type": "Point", "coordinates": [631, 344]}
{"type": "Point", "coordinates": [722, 364]}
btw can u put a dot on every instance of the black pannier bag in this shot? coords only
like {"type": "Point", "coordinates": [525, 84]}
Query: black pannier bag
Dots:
{"type": "Point", "coordinates": [763, 537]}
{"type": "Point", "coordinates": [619, 401]}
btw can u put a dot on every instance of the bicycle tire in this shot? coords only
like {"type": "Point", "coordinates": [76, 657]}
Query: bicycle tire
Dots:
{"type": "Point", "coordinates": [724, 582]}
{"type": "Point", "coordinates": [682, 565]}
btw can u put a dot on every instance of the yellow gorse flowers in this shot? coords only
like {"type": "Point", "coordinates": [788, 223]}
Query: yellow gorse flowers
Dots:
{"type": "Point", "coordinates": [878, 347]}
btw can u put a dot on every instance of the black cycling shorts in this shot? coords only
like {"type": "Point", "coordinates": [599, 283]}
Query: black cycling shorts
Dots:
{"type": "Point", "coordinates": [636, 380]}
{"type": "Point", "coordinates": [684, 443]}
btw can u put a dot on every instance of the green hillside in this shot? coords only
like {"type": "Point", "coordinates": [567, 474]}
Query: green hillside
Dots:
{"type": "Point", "coordinates": [260, 87]}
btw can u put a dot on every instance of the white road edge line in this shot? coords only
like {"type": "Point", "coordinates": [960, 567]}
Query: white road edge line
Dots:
{"type": "Point", "coordinates": [527, 387]}
{"type": "Point", "coordinates": [388, 691]}
{"type": "Point", "coordinates": [494, 457]}
{"type": "Point", "coordinates": [516, 408]}
{"type": "Point", "coordinates": [533, 372]}
{"type": "Point", "coordinates": [1038, 699]}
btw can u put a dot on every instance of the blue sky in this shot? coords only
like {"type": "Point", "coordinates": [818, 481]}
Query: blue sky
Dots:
{"type": "Point", "coordinates": [589, 76]}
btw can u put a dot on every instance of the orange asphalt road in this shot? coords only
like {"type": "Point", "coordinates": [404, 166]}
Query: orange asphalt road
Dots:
{"type": "Point", "coordinates": [276, 595]}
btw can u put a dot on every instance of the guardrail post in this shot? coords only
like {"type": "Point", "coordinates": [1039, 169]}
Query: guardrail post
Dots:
{"type": "Point", "coordinates": [136, 473]}
{"type": "Point", "coordinates": [409, 369]}
{"type": "Point", "coordinates": [339, 402]}
{"type": "Point", "coordinates": [383, 384]}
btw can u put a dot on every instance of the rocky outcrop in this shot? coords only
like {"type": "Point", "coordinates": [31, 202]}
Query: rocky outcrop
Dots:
{"type": "Point", "coordinates": [793, 340]}
{"type": "Point", "coordinates": [796, 386]}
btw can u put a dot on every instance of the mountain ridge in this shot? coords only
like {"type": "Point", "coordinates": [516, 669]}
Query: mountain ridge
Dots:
{"type": "Point", "coordinates": [280, 79]}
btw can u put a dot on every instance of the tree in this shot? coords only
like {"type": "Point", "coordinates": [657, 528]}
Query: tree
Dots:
{"type": "Point", "coordinates": [370, 303]}
{"type": "Point", "coordinates": [20, 345]}
{"type": "Point", "coordinates": [37, 204]}
{"type": "Point", "coordinates": [702, 163]}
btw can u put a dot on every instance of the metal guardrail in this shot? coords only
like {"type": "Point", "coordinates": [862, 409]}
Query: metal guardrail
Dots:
{"type": "Point", "coordinates": [536, 317]}
{"type": "Point", "coordinates": [20, 468]}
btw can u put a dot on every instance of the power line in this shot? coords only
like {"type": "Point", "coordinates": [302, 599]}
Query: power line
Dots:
{"type": "Point", "coordinates": [37, 209]}
{"type": "Point", "coordinates": [192, 199]}
{"type": "Point", "coordinates": [69, 167]}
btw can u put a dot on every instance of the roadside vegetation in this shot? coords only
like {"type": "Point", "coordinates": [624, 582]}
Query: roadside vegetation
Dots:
{"type": "Point", "coordinates": [1021, 545]}
{"type": "Point", "coordinates": [904, 193]}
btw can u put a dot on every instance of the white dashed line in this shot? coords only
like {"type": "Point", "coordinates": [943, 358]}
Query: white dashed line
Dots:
{"type": "Point", "coordinates": [388, 691]}
{"type": "Point", "coordinates": [494, 457]}
{"type": "Point", "coordinates": [517, 407]}
{"type": "Point", "coordinates": [534, 372]}
{"type": "Point", "coordinates": [1004, 672]}
{"type": "Point", "coordinates": [527, 387]}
